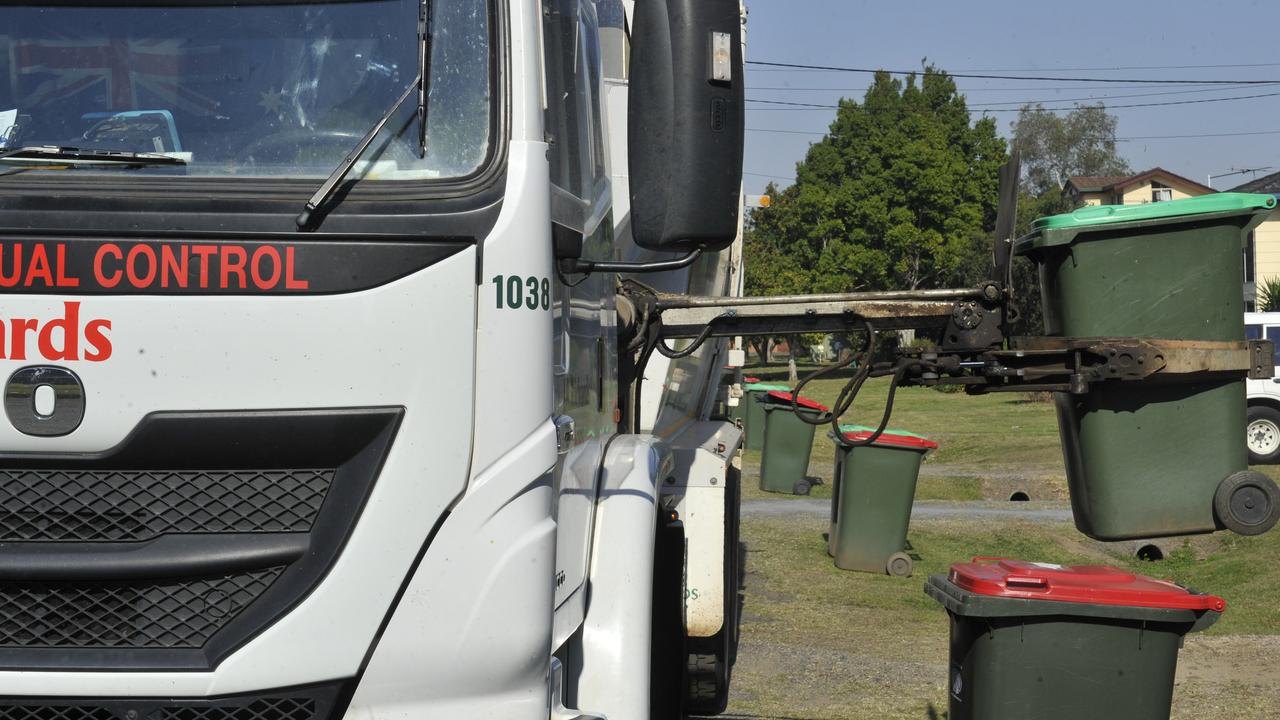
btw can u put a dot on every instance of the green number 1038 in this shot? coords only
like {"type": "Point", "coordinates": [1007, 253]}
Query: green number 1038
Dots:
{"type": "Point", "coordinates": [513, 292]}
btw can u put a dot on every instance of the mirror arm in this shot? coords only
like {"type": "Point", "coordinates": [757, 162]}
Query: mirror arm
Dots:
{"type": "Point", "coordinates": [571, 266]}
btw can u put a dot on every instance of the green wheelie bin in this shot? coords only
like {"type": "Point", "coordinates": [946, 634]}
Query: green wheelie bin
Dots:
{"type": "Point", "coordinates": [1154, 458]}
{"type": "Point", "coordinates": [1054, 642]}
{"type": "Point", "coordinates": [788, 440]}
{"type": "Point", "coordinates": [871, 499]}
{"type": "Point", "coordinates": [753, 412]}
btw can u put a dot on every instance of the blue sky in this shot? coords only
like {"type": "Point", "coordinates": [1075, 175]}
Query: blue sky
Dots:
{"type": "Point", "coordinates": [1031, 37]}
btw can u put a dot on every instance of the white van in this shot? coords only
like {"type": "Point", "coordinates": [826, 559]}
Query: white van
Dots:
{"type": "Point", "coordinates": [1263, 433]}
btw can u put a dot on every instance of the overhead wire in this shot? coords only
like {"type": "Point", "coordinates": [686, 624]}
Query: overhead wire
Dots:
{"type": "Point", "coordinates": [986, 76]}
{"type": "Point", "coordinates": [817, 106]}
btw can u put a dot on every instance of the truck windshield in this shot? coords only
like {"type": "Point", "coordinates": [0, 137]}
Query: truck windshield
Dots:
{"type": "Point", "coordinates": [248, 89]}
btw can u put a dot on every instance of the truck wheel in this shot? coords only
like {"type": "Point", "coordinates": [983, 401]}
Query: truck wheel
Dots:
{"type": "Point", "coordinates": [1247, 503]}
{"type": "Point", "coordinates": [709, 668]}
{"type": "Point", "coordinates": [1262, 435]}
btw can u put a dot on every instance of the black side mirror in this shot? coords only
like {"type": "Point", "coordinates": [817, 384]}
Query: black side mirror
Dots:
{"type": "Point", "coordinates": [685, 120]}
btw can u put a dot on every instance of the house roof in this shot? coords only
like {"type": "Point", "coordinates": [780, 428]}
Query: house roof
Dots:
{"type": "Point", "coordinates": [1265, 184]}
{"type": "Point", "coordinates": [1103, 183]}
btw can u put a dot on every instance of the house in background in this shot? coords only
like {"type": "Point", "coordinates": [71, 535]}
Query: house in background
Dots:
{"type": "Point", "coordinates": [1262, 248]}
{"type": "Point", "coordinates": [1154, 185]}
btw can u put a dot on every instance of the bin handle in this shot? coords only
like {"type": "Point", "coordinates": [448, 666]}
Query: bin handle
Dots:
{"type": "Point", "coordinates": [1027, 581]}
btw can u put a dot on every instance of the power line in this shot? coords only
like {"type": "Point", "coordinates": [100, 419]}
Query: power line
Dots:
{"type": "Point", "coordinates": [816, 106]}
{"type": "Point", "coordinates": [1068, 69]}
{"type": "Point", "coordinates": [1015, 88]}
{"type": "Point", "coordinates": [1009, 77]}
{"type": "Point", "coordinates": [770, 175]}
{"type": "Point", "coordinates": [1133, 138]}
{"type": "Point", "coordinates": [1095, 97]}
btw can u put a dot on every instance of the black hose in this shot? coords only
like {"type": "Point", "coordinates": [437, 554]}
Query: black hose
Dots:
{"type": "Point", "coordinates": [693, 346]}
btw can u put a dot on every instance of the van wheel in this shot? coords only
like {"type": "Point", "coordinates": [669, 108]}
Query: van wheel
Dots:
{"type": "Point", "coordinates": [1262, 435]}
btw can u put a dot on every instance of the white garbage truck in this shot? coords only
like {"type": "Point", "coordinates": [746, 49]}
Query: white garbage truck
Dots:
{"type": "Point", "coordinates": [366, 359]}
{"type": "Point", "coordinates": [311, 338]}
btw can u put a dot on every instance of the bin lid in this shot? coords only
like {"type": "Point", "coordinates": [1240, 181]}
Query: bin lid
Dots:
{"type": "Point", "coordinates": [890, 437]}
{"type": "Point", "coordinates": [764, 387]}
{"type": "Point", "coordinates": [803, 402]}
{"type": "Point", "coordinates": [1092, 584]}
{"type": "Point", "coordinates": [750, 379]}
{"type": "Point", "coordinates": [1092, 216]}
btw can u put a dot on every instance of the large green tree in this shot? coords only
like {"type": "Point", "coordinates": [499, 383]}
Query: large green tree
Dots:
{"type": "Point", "coordinates": [900, 193]}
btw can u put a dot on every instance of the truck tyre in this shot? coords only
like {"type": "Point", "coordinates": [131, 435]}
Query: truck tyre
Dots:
{"type": "Point", "coordinates": [710, 660]}
{"type": "Point", "coordinates": [1247, 503]}
{"type": "Point", "coordinates": [1262, 435]}
{"type": "Point", "coordinates": [667, 674]}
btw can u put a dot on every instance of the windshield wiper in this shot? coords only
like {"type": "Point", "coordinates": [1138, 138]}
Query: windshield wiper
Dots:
{"type": "Point", "coordinates": [56, 153]}
{"type": "Point", "coordinates": [327, 189]}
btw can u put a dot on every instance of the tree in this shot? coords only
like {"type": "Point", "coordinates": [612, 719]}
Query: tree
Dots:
{"type": "Point", "coordinates": [900, 193]}
{"type": "Point", "coordinates": [1056, 147]}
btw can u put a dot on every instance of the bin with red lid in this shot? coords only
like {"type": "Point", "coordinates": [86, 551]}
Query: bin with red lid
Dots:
{"type": "Point", "coordinates": [1056, 642]}
{"type": "Point", "coordinates": [788, 440]}
{"type": "Point", "coordinates": [871, 498]}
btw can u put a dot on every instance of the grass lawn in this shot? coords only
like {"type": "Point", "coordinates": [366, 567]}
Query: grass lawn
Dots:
{"type": "Point", "coordinates": [819, 642]}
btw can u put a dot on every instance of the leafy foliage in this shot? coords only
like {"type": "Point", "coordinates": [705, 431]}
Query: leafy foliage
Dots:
{"type": "Point", "coordinates": [900, 193]}
{"type": "Point", "coordinates": [1056, 147]}
{"type": "Point", "coordinates": [1269, 295]}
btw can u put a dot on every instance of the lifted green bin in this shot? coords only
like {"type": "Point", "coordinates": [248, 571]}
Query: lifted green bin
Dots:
{"type": "Point", "coordinates": [871, 500]}
{"type": "Point", "coordinates": [753, 412]}
{"type": "Point", "coordinates": [1053, 642]}
{"type": "Point", "coordinates": [788, 440]}
{"type": "Point", "coordinates": [1149, 459]}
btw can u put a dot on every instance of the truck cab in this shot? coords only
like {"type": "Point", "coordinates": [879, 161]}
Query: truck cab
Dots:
{"type": "Point", "coordinates": [312, 353]}
{"type": "Point", "coordinates": [1263, 430]}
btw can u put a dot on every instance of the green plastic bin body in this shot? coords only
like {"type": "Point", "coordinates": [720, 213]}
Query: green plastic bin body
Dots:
{"type": "Point", "coordinates": [1144, 459]}
{"type": "Point", "coordinates": [788, 440]}
{"type": "Point", "coordinates": [753, 412]}
{"type": "Point", "coordinates": [871, 500]}
{"type": "Point", "coordinates": [1015, 659]}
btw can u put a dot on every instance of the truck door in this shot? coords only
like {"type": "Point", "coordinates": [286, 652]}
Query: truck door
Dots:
{"type": "Point", "coordinates": [584, 341]}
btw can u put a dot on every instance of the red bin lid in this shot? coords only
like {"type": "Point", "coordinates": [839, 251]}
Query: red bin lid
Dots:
{"type": "Point", "coordinates": [803, 402]}
{"type": "Point", "coordinates": [750, 379]}
{"type": "Point", "coordinates": [890, 437]}
{"type": "Point", "coordinates": [1093, 584]}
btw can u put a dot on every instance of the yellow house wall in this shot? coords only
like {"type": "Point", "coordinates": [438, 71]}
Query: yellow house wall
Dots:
{"type": "Point", "coordinates": [1142, 193]}
{"type": "Point", "coordinates": [1266, 248]}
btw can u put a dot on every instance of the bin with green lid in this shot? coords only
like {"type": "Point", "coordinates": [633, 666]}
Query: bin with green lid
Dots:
{"type": "Point", "coordinates": [1149, 459]}
{"type": "Point", "coordinates": [788, 440]}
{"type": "Point", "coordinates": [871, 498]}
{"type": "Point", "coordinates": [753, 412]}
{"type": "Point", "coordinates": [1054, 642]}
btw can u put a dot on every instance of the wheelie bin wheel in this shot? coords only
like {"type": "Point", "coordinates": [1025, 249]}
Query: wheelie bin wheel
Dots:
{"type": "Point", "coordinates": [801, 487]}
{"type": "Point", "coordinates": [1247, 503]}
{"type": "Point", "coordinates": [899, 565]}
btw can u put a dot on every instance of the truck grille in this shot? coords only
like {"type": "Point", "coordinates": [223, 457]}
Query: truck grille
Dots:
{"type": "Point", "coordinates": [125, 615]}
{"type": "Point", "coordinates": [317, 702]}
{"type": "Point", "coordinates": [115, 505]}
{"type": "Point", "coordinates": [176, 547]}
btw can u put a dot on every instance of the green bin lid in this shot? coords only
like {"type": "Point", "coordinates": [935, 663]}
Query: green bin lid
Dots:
{"type": "Point", "coordinates": [1093, 216]}
{"type": "Point", "coordinates": [765, 387]}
